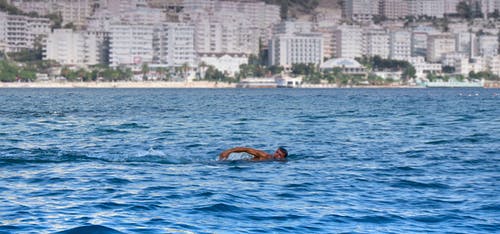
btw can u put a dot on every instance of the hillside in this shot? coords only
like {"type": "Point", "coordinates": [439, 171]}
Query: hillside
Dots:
{"type": "Point", "coordinates": [298, 8]}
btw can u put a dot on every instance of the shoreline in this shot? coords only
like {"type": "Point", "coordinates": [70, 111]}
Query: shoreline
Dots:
{"type": "Point", "coordinates": [181, 85]}
{"type": "Point", "coordinates": [118, 84]}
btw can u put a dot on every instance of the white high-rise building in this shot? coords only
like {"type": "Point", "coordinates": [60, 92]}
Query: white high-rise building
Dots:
{"type": "Point", "coordinates": [328, 41]}
{"type": "Point", "coordinates": [130, 44]}
{"type": "Point", "coordinates": [487, 46]}
{"type": "Point", "coordinates": [72, 11]}
{"type": "Point", "coordinates": [348, 42]}
{"type": "Point", "coordinates": [290, 27]}
{"type": "Point", "coordinates": [3, 31]}
{"type": "Point", "coordinates": [174, 45]}
{"type": "Point", "coordinates": [450, 6]}
{"type": "Point", "coordinates": [400, 45]}
{"type": "Point", "coordinates": [224, 33]}
{"type": "Point", "coordinates": [230, 27]}
{"type": "Point", "coordinates": [394, 9]}
{"type": "Point", "coordinates": [419, 40]}
{"type": "Point", "coordinates": [288, 49]}
{"type": "Point", "coordinates": [75, 12]}
{"type": "Point", "coordinates": [38, 6]}
{"type": "Point", "coordinates": [438, 45]}
{"type": "Point", "coordinates": [419, 44]}
{"type": "Point", "coordinates": [432, 8]}
{"type": "Point", "coordinates": [22, 32]}
{"type": "Point", "coordinates": [360, 10]}
{"type": "Point", "coordinates": [464, 42]}
{"type": "Point", "coordinates": [72, 48]}
{"type": "Point", "coordinates": [376, 43]}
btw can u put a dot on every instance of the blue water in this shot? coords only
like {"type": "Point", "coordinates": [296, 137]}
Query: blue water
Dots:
{"type": "Point", "coordinates": [144, 161]}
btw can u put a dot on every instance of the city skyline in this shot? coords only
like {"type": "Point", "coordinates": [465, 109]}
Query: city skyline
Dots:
{"type": "Point", "coordinates": [428, 34]}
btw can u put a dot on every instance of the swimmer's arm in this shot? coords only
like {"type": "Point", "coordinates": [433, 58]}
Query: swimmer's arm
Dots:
{"type": "Point", "coordinates": [258, 154]}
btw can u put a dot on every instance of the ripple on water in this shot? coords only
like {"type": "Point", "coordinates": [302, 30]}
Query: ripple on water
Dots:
{"type": "Point", "coordinates": [402, 183]}
{"type": "Point", "coordinates": [220, 207]}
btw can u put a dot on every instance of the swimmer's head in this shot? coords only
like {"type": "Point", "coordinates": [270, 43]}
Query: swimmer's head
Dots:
{"type": "Point", "coordinates": [281, 153]}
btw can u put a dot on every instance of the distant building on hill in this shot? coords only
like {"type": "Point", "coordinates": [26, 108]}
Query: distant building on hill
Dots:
{"type": "Point", "coordinates": [68, 47]}
{"type": "Point", "coordinates": [19, 32]}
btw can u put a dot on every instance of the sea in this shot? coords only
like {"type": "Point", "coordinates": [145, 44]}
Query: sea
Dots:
{"type": "Point", "coordinates": [146, 161]}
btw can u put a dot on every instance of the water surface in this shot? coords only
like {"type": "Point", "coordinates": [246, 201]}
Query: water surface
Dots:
{"type": "Point", "coordinates": [144, 160]}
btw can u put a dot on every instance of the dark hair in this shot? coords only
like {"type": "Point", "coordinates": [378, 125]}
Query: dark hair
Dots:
{"type": "Point", "coordinates": [282, 149]}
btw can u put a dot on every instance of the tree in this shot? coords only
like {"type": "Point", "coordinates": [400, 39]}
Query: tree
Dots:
{"type": "Point", "coordinates": [464, 10]}
{"type": "Point", "coordinates": [8, 72]}
{"type": "Point", "coordinates": [26, 75]}
{"type": "Point", "coordinates": [275, 69]}
{"type": "Point", "coordinates": [56, 19]}
{"type": "Point", "coordinates": [145, 70]}
{"type": "Point", "coordinates": [448, 69]}
{"type": "Point", "coordinates": [408, 73]}
{"type": "Point", "coordinates": [284, 9]}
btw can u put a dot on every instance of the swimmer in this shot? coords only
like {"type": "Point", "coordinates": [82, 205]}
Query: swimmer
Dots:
{"type": "Point", "coordinates": [258, 155]}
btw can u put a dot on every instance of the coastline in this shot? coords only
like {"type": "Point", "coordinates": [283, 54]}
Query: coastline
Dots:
{"type": "Point", "coordinates": [119, 84]}
{"type": "Point", "coordinates": [182, 85]}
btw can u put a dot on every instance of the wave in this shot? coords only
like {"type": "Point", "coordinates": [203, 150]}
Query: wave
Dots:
{"type": "Point", "coordinates": [91, 229]}
{"type": "Point", "coordinates": [219, 207]}
{"type": "Point", "coordinates": [419, 185]}
{"type": "Point", "coordinates": [56, 155]}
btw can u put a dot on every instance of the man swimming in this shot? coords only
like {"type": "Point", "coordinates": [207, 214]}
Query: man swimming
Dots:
{"type": "Point", "coordinates": [258, 155]}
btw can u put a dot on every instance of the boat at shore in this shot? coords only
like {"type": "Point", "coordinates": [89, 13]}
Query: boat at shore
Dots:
{"type": "Point", "coordinates": [454, 84]}
{"type": "Point", "coordinates": [257, 83]}
{"type": "Point", "coordinates": [280, 81]}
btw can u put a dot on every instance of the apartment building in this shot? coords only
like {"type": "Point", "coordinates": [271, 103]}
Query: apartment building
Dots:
{"type": "Point", "coordinates": [360, 10]}
{"type": "Point", "coordinates": [75, 48]}
{"type": "Point", "coordinates": [3, 31]}
{"type": "Point", "coordinates": [438, 45]}
{"type": "Point", "coordinates": [173, 45]}
{"type": "Point", "coordinates": [22, 32]}
{"type": "Point", "coordinates": [464, 42]}
{"type": "Point", "coordinates": [487, 46]}
{"type": "Point", "coordinates": [348, 42]}
{"type": "Point", "coordinates": [376, 43]}
{"type": "Point", "coordinates": [394, 9]}
{"type": "Point", "coordinates": [72, 11]}
{"type": "Point", "coordinates": [131, 44]}
{"type": "Point", "coordinates": [432, 8]}
{"type": "Point", "coordinates": [38, 6]}
{"type": "Point", "coordinates": [290, 27]}
{"type": "Point", "coordinates": [400, 45]}
{"type": "Point", "coordinates": [450, 6]}
{"type": "Point", "coordinates": [328, 40]}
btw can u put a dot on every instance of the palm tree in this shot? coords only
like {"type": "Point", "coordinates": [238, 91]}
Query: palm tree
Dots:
{"type": "Point", "coordinates": [202, 66]}
{"type": "Point", "coordinates": [185, 67]}
{"type": "Point", "coordinates": [145, 71]}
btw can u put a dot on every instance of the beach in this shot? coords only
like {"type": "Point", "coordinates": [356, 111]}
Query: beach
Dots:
{"type": "Point", "coordinates": [166, 84]}
{"type": "Point", "coordinates": [118, 84]}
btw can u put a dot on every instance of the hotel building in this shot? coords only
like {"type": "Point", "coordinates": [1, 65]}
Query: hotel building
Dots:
{"type": "Point", "coordinates": [288, 49]}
